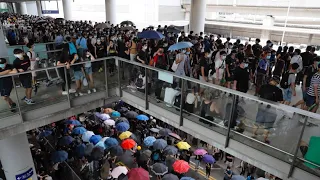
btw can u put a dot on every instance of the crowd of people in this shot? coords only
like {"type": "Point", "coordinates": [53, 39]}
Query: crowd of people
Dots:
{"type": "Point", "coordinates": [275, 74]}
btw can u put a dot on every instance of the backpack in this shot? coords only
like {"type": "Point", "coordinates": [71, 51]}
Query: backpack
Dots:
{"type": "Point", "coordinates": [155, 156]}
{"type": "Point", "coordinates": [139, 82]}
{"type": "Point", "coordinates": [161, 63]}
{"type": "Point", "coordinates": [284, 80]}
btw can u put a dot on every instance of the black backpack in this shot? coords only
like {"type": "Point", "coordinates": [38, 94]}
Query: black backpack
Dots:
{"type": "Point", "coordinates": [284, 80]}
{"type": "Point", "coordinates": [139, 82]}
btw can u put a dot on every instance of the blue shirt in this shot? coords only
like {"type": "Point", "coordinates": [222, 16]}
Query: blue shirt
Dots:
{"type": "Point", "coordinates": [59, 40]}
{"type": "Point", "coordinates": [82, 42]}
{"type": "Point", "coordinates": [72, 48]}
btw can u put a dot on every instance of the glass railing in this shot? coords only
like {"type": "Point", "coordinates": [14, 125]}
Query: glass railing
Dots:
{"type": "Point", "coordinates": [273, 128]}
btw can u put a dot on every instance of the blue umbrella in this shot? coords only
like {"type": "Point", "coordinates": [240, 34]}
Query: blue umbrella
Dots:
{"type": "Point", "coordinates": [142, 117]}
{"type": "Point", "coordinates": [59, 156]}
{"type": "Point", "coordinates": [79, 130]}
{"type": "Point", "coordinates": [45, 133]}
{"type": "Point", "coordinates": [74, 122]}
{"type": "Point", "coordinates": [180, 45]}
{"type": "Point", "coordinates": [80, 150]}
{"type": "Point", "coordinates": [122, 127]}
{"type": "Point", "coordinates": [65, 141]}
{"type": "Point", "coordinates": [95, 139]}
{"type": "Point", "coordinates": [208, 159]}
{"type": "Point", "coordinates": [150, 34]}
{"type": "Point", "coordinates": [187, 178]}
{"type": "Point", "coordinates": [170, 150]}
{"type": "Point", "coordinates": [159, 144]}
{"type": "Point", "coordinates": [101, 144]}
{"type": "Point", "coordinates": [148, 141]}
{"type": "Point", "coordinates": [110, 142]}
{"type": "Point", "coordinates": [115, 114]}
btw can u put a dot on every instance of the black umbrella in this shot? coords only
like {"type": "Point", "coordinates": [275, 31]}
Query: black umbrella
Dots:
{"type": "Point", "coordinates": [159, 169]}
{"type": "Point", "coordinates": [123, 177]}
{"type": "Point", "coordinates": [173, 29]}
{"type": "Point", "coordinates": [97, 153]}
{"type": "Point", "coordinates": [116, 150]}
{"type": "Point", "coordinates": [127, 23]}
{"type": "Point", "coordinates": [127, 28]}
{"type": "Point", "coordinates": [122, 119]}
{"type": "Point", "coordinates": [41, 21]}
{"type": "Point", "coordinates": [131, 114]}
{"type": "Point", "coordinates": [170, 177]}
{"type": "Point", "coordinates": [123, 110]}
{"type": "Point", "coordinates": [164, 132]}
{"type": "Point", "coordinates": [147, 153]}
{"type": "Point", "coordinates": [88, 149]}
{"type": "Point", "coordinates": [169, 162]}
{"type": "Point", "coordinates": [126, 160]}
{"type": "Point", "coordinates": [144, 157]}
{"type": "Point", "coordinates": [170, 150]}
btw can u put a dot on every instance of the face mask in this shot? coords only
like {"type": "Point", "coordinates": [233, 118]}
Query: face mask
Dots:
{"type": "Point", "coordinates": [183, 51]}
{"type": "Point", "coordinates": [268, 57]}
{"type": "Point", "coordinates": [95, 36]}
{"type": "Point", "coordinates": [18, 56]}
{"type": "Point", "coordinates": [145, 47]}
{"type": "Point", "coordinates": [224, 57]}
{"type": "Point", "coordinates": [187, 53]}
{"type": "Point", "coordinates": [2, 65]}
{"type": "Point", "coordinates": [246, 65]}
{"type": "Point", "coordinates": [88, 55]}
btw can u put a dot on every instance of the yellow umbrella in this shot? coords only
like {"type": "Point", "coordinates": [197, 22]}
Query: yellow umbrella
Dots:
{"type": "Point", "coordinates": [183, 145]}
{"type": "Point", "coordinates": [125, 135]}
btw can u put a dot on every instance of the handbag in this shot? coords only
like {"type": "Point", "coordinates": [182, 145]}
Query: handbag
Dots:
{"type": "Point", "coordinates": [175, 65]}
{"type": "Point", "coordinates": [85, 82]}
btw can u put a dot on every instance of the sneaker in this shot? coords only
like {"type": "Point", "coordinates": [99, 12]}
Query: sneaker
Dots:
{"type": "Point", "coordinates": [100, 70]}
{"type": "Point", "coordinates": [30, 101]}
{"type": "Point", "coordinates": [24, 98]}
{"type": "Point", "coordinates": [72, 91]}
{"type": "Point", "coordinates": [76, 94]}
{"type": "Point", "coordinates": [64, 93]}
{"type": "Point", "coordinates": [89, 92]}
{"type": "Point", "coordinates": [94, 90]}
{"type": "Point", "coordinates": [80, 94]}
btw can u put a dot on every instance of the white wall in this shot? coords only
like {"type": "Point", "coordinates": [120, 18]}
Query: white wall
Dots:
{"type": "Point", "coordinates": [32, 8]}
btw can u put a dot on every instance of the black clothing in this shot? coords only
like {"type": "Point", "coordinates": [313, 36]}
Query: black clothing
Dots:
{"type": "Point", "coordinates": [22, 64]}
{"type": "Point", "coordinates": [143, 56]}
{"type": "Point", "coordinates": [309, 73]}
{"type": "Point", "coordinates": [257, 50]}
{"type": "Point", "coordinates": [241, 75]}
{"type": "Point", "coordinates": [6, 81]}
{"type": "Point", "coordinates": [278, 68]}
{"type": "Point", "coordinates": [204, 63]}
{"type": "Point", "coordinates": [306, 58]}
{"type": "Point", "coordinates": [270, 92]}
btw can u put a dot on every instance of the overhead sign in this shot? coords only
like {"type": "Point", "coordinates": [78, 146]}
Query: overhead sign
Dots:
{"type": "Point", "coordinates": [50, 11]}
{"type": "Point", "coordinates": [27, 175]}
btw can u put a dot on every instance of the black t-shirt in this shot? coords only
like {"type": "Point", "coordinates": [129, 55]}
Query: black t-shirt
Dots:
{"type": "Point", "coordinates": [306, 58]}
{"type": "Point", "coordinates": [257, 49]}
{"type": "Point", "coordinates": [270, 92]}
{"type": "Point", "coordinates": [278, 67]}
{"type": "Point", "coordinates": [143, 56]}
{"type": "Point", "coordinates": [22, 64]}
{"type": "Point", "coordinates": [6, 81]}
{"type": "Point", "coordinates": [77, 67]}
{"type": "Point", "coordinates": [204, 63]}
{"type": "Point", "coordinates": [231, 64]}
{"type": "Point", "coordinates": [309, 73]}
{"type": "Point", "coordinates": [242, 77]}
{"type": "Point", "coordinates": [240, 56]}
{"type": "Point", "coordinates": [100, 48]}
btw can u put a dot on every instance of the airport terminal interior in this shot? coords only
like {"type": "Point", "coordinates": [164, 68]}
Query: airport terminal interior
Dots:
{"type": "Point", "coordinates": [159, 90]}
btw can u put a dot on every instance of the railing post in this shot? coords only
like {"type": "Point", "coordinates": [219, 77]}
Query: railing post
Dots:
{"type": "Point", "coordinates": [297, 148]}
{"type": "Point", "coordinates": [183, 89]}
{"type": "Point", "coordinates": [233, 109]}
{"type": "Point", "coordinates": [106, 77]}
{"type": "Point", "coordinates": [146, 88]}
{"type": "Point", "coordinates": [119, 79]}
{"type": "Point", "coordinates": [67, 85]}
{"type": "Point", "coordinates": [16, 92]}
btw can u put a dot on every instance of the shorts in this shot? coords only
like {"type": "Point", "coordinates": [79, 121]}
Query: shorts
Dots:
{"type": "Point", "coordinates": [266, 116]}
{"type": "Point", "coordinates": [287, 94]}
{"type": "Point", "coordinates": [78, 75]}
{"type": "Point", "coordinates": [231, 78]}
{"type": "Point", "coordinates": [26, 80]}
{"type": "Point", "coordinates": [88, 70]}
{"type": "Point", "coordinates": [310, 100]}
{"type": "Point", "coordinates": [304, 95]}
{"type": "Point", "coordinates": [5, 91]}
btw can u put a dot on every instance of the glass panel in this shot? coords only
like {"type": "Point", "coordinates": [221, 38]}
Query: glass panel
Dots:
{"type": "Point", "coordinates": [43, 87]}
{"type": "Point", "coordinates": [8, 103]}
{"type": "Point", "coordinates": [207, 106]}
{"type": "Point", "coordinates": [112, 68]}
{"type": "Point", "coordinates": [309, 147]}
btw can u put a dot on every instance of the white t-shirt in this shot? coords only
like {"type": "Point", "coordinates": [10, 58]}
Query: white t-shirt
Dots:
{"type": "Point", "coordinates": [219, 64]}
{"type": "Point", "coordinates": [169, 96]}
{"type": "Point", "coordinates": [190, 99]}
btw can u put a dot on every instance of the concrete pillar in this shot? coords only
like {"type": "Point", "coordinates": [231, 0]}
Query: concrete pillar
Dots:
{"type": "Point", "coordinates": [230, 33]}
{"type": "Point", "coordinates": [267, 22]}
{"type": "Point", "coordinates": [21, 8]}
{"type": "Point", "coordinates": [3, 46]}
{"type": "Point", "coordinates": [198, 14]}
{"type": "Point", "coordinates": [16, 159]}
{"type": "Point", "coordinates": [39, 8]}
{"type": "Point", "coordinates": [310, 39]}
{"type": "Point", "coordinates": [67, 9]}
{"type": "Point", "coordinates": [111, 14]}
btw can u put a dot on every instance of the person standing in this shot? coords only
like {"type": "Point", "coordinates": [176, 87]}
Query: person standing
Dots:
{"type": "Point", "coordinates": [6, 83]}
{"type": "Point", "coordinates": [22, 64]}
{"type": "Point", "coordinates": [133, 49]}
{"type": "Point", "coordinates": [296, 58]}
{"type": "Point", "coordinates": [288, 84]}
{"type": "Point", "coordinates": [219, 66]}
{"type": "Point", "coordinates": [33, 63]}
{"type": "Point", "coordinates": [312, 99]}
{"type": "Point", "coordinates": [230, 68]}
{"type": "Point", "coordinates": [208, 170]}
{"type": "Point", "coordinates": [241, 77]}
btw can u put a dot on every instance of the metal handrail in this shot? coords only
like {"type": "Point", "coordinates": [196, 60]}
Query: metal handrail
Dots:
{"type": "Point", "coordinates": [50, 51]}
{"type": "Point", "coordinates": [19, 45]}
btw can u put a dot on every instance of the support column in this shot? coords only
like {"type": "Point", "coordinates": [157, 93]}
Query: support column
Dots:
{"type": "Point", "coordinates": [67, 9]}
{"type": "Point", "coordinates": [3, 46]}
{"type": "Point", "coordinates": [310, 39]}
{"type": "Point", "coordinates": [267, 22]}
{"type": "Point", "coordinates": [198, 14]}
{"type": "Point", "coordinates": [111, 14]}
{"type": "Point", "coordinates": [16, 159]}
{"type": "Point", "coordinates": [39, 8]}
{"type": "Point", "coordinates": [21, 8]}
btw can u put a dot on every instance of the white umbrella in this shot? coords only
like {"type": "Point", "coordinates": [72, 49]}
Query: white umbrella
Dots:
{"type": "Point", "coordinates": [116, 172]}
{"type": "Point", "coordinates": [86, 136]}
{"type": "Point", "coordinates": [109, 122]}
{"type": "Point", "coordinates": [103, 116]}
{"type": "Point", "coordinates": [262, 178]}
